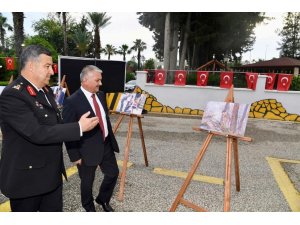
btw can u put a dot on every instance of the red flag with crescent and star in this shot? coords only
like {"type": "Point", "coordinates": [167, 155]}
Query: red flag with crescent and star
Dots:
{"type": "Point", "coordinates": [284, 82]}
{"type": "Point", "coordinates": [55, 68]}
{"type": "Point", "coordinates": [226, 79]}
{"type": "Point", "coordinates": [180, 77]}
{"type": "Point", "coordinates": [251, 80]}
{"type": "Point", "coordinates": [202, 78]}
{"type": "Point", "coordinates": [270, 81]}
{"type": "Point", "coordinates": [159, 77]}
{"type": "Point", "coordinates": [10, 63]}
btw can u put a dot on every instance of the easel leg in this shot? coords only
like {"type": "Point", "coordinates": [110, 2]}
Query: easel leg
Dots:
{"type": "Point", "coordinates": [119, 120]}
{"type": "Point", "coordinates": [143, 141]}
{"type": "Point", "coordinates": [228, 175]}
{"type": "Point", "coordinates": [191, 173]}
{"type": "Point", "coordinates": [126, 156]}
{"type": "Point", "coordinates": [236, 164]}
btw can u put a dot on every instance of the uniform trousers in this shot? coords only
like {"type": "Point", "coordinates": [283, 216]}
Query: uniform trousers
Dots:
{"type": "Point", "coordinates": [48, 202]}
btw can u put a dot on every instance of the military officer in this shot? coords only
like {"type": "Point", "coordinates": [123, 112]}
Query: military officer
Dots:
{"type": "Point", "coordinates": [31, 164]}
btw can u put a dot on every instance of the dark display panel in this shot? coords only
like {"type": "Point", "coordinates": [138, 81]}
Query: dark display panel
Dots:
{"type": "Point", "coordinates": [113, 76]}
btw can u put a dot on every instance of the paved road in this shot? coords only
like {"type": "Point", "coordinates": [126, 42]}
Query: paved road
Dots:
{"type": "Point", "coordinates": [172, 146]}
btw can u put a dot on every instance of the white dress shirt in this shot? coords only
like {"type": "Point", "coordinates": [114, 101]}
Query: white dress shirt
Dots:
{"type": "Point", "coordinates": [88, 96]}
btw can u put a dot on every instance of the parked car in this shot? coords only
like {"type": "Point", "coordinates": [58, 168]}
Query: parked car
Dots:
{"type": "Point", "coordinates": [130, 85]}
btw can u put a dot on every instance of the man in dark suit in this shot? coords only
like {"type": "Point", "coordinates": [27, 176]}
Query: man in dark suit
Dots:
{"type": "Point", "coordinates": [96, 147]}
{"type": "Point", "coordinates": [31, 165]}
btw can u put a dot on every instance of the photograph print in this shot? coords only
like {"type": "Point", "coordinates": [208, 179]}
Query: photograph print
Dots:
{"type": "Point", "coordinates": [131, 103]}
{"type": "Point", "coordinates": [225, 117]}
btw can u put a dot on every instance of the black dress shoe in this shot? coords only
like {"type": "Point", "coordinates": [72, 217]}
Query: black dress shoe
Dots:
{"type": "Point", "coordinates": [106, 206]}
{"type": "Point", "coordinates": [91, 210]}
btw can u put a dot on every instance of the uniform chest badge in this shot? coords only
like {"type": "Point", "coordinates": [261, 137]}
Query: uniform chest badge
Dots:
{"type": "Point", "coordinates": [39, 105]}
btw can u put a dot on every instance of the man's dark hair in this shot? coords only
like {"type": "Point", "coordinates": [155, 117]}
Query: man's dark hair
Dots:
{"type": "Point", "coordinates": [32, 52]}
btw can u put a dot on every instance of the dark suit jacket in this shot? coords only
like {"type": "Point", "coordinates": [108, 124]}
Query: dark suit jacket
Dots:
{"type": "Point", "coordinates": [90, 148]}
{"type": "Point", "coordinates": [31, 159]}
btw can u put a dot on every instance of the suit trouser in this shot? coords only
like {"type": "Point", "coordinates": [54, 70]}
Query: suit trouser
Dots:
{"type": "Point", "coordinates": [48, 202]}
{"type": "Point", "coordinates": [110, 170]}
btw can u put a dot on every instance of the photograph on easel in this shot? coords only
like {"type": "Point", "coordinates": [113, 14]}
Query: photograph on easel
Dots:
{"type": "Point", "coordinates": [131, 103]}
{"type": "Point", "coordinates": [225, 117]}
{"type": "Point", "coordinates": [59, 94]}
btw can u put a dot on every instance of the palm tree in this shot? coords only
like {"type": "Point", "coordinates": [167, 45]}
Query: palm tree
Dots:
{"type": "Point", "coordinates": [109, 50]}
{"type": "Point", "coordinates": [139, 46]}
{"type": "Point", "coordinates": [99, 20]}
{"type": "Point", "coordinates": [18, 19]}
{"type": "Point", "coordinates": [82, 40]}
{"type": "Point", "coordinates": [4, 25]}
{"type": "Point", "coordinates": [124, 50]}
{"type": "Point", "coordinates": [64, 28]}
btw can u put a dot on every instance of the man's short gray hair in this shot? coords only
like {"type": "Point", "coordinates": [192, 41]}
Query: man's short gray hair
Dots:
{"type": "Point", "coordinates": [88, 69]}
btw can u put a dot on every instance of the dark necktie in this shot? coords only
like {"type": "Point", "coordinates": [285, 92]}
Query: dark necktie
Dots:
{"type": "Point", "coordinates": [98, 113]}
{"type": "Point", "coordinates": [43, 94]}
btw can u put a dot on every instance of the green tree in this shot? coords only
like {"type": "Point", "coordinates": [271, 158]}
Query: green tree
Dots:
{"type": "Point", "coordinates": [124, 50]}
{"type": "Point", "coordinates": [199, 35]}
{"type": "Point", "coordinates": [98, 20]}
{"type": "Point", "coordinates": [64, 28]}
{"type": "Point", "coordinates": [82, 40]}
{"type": "Point", "coordinates": [149, 64]}
{"type": "Point", "coordinates": [139, 46]}
{"type": "Point", "coordinates": [37, 40]}
{"type": "Point", "coordinates": [3, 27]}
{"type": "Point", "coordinates": [50, 29]}
{"type": "Point", "coordinates": [290, 36]}
{"type": "Point", "coordinates": [109, 50]}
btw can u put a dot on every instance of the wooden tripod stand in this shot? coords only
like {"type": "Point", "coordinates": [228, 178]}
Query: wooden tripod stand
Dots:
{"type": "Point", "coordinates": [127, 147]}
{"type": "Point", "coordinates": [232, 141]}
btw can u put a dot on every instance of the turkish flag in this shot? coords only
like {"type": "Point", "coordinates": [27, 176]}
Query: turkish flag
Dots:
{"type": "Point", "coordinates": [270, 81]}
{"type": "Point", "coordinates": [202, 78]}
{"type": "Point", "coordinates": [10, 63]}
{"type": "Point", "coordinates": [226, 79]}
{"type": "Point", "coordinates": [55, 68]}
{"type": "Point", "coordinates": [251, 80]}
{"type": "Point", "coordinates": [180, 77]}
{"type": "Point", "coordinates": [284, 82]}
{"type": "Point", "coordinates": [160, 77]}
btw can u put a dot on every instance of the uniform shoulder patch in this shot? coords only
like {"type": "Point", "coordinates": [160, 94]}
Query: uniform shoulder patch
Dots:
{"type": "Point", "coordinates": [17, 87]}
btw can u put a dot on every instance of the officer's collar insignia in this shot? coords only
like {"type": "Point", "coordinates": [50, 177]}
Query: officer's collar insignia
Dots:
{"type": "Point", "coordinates": [31, 90]}
{"type": "Point", "coordinates": [18, 86]}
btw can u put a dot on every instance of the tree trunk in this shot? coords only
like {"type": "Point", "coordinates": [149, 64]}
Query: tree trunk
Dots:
{"type": "Point", "coordinates": [174, 47]}
{"type": "Point", "coordinates": [185, 40]}
{"type": "Point", "coordinates": [18, 19]}
{"type": "Point", "coordinates": [167, 41]}
{"type": "Point", "coordinates": [64, 17]}
{"type": "Point", "coordinates": [139, 59]}
{"type": "Point", "coordinates": [97, 43]}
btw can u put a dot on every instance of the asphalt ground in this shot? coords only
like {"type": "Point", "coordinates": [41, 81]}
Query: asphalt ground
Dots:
{"type": "Point", "coordinates": [269, 168]}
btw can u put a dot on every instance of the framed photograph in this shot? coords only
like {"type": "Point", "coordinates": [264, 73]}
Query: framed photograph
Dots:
{"type": "Point", "coordinates": [131, 103]}
{"type": "Point", "coordinates": [59, 94]}
{"type": "Point", "coordinates": [225, 117]}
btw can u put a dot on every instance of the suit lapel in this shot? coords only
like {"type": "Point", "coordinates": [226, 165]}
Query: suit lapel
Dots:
{"type": "Point", "coordinates": [84, 102]}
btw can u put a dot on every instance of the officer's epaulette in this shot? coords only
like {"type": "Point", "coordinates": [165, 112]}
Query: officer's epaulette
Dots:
{"type": "Point", "coordinates": [18, 86]}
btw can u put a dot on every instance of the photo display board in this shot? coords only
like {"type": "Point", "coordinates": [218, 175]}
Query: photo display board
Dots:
{"type": "Point", "coordinates": [225, 117]}
{"type": "Point", "coordinates": [131, 103]}
{"type": "Point", "coordinates": [113, 76]}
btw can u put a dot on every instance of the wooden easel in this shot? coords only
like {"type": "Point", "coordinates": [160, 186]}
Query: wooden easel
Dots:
{"type": "Point", "coordinates": [232, 141]}
{"type": "Point", "coordinates": [127, 147]}
{"type": "Point", "coordinates": [63, 84]}
{"type": "Point", "coordinates": [11, 79]}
